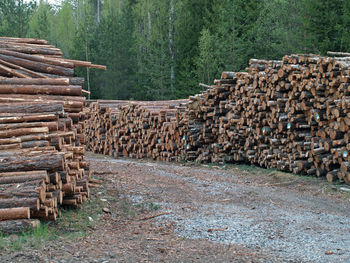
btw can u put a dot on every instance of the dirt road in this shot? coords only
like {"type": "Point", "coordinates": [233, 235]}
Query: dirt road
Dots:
{"type": "Point", "coordinates": [162, 212]}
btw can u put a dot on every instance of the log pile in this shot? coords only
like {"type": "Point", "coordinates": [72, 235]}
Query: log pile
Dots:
{"type": "Point", "coordinates": [135, 129]}
{"type": "Point", "coordinates": [291, 114]}
{"type": "Point", "coordinates": [42, 165]}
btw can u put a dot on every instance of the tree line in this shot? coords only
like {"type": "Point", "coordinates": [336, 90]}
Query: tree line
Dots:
{"type": "Point", "coordinates": [162, 49]}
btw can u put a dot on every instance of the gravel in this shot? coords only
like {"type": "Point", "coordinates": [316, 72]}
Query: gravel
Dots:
{"type": "Point", "coordinates": [294, 226]}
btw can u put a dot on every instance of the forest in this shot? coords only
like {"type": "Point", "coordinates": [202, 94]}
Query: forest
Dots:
{"type": "Point", "coordinates": [162, 49]}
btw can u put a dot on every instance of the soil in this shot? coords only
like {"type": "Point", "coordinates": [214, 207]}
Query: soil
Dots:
{"type": "Point", "coordinates": [171, 212]}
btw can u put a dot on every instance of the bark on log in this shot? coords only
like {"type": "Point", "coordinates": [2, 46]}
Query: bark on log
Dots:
{"type": "Point", "coordinates": [32, 203]}
{"type": "Point", "coordinates": [41, 89]}
{"type": "Point", "coordinates": [14, 213]}
{"type": "Point", "coordinates": [48, 161]}
{"type": "Point", "coordinates": [18, 226]}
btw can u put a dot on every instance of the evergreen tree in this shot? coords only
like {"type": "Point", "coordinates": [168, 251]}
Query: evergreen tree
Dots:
{"type": "Point", "coordinates": [40, 23]}
{"type": "Point", "coordinates": [321, 19]}
{"type": "Point", "coordinates": [207, 65]}
{"type": "Point", "coordinates": [116, 28]}
{"type": "Point", "coordinates": [64, 28]}
{"type": "Point", "coordinates": [189, 24]}
{"type": "Point", "coordinates": [152, 38]}
{"type": "Point", "coordinates": [344, 27]}
{"type": "Point", "coordinates": [277, 29]}
{"type": "Point", "coordinates": [14, 17]}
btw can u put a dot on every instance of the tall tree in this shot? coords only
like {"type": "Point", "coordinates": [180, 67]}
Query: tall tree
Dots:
{"type": "Point", "coordinates": [277, 29]}
{"type": "Point", "coordinates": [190, 21]}
{"type": "Point", "coordinates": [344, 27]}
{"type": "Point", "coordinates": [154, 58]}
{"type": "Point", "coordinates": [321, 19]}
{"type": "Point", "coordinates": [64, 29]}
{"type": "Point", "coordinates": [14, 17]}
{"type": "Point", "coordinates": [206, 62]}
{"type": "Point", "coordinates": [40, 22]}
{"type": "Point", "coordinates": [116, 51]}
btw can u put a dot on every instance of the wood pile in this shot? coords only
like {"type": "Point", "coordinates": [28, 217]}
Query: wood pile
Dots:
{"type": "Point", "coordinates": [135, 129]}
{"type": "Point", "coordinates": [293, 115]}
{"type": "Point", "coordinates": [42, 165]}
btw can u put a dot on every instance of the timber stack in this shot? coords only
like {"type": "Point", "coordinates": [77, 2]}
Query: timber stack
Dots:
{"type": "Point", "coordinates": [135, 129]}
{"type": "Point", "coordinates": [42, 165]}
{"type": "Point", "coordinates": [290, 114]}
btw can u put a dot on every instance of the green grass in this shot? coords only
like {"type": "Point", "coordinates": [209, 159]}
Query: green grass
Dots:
{"type": "Point", "coordinates": [149, 205]}
{"type": "Point", "coordinates": [34, 238]}
{"type": "Point", "coordinates": [73, 224]}
{"type": "Point", "coordinates": [127, 208]}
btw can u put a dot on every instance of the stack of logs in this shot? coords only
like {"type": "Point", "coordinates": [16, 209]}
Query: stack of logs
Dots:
{"type": "Point", "coordinates": [42, 162]}
{"type": "Point", "coordinates": [293, 115]}
{"type": "Point", "coordinates": [135, 129]}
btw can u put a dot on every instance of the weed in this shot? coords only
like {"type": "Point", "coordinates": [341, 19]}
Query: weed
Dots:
{"type": "Point", "coordinates": [127, 208]}
{"type": "Point", "coordinates": [33, 238]}
{"type": "Point", "coordinates": [252, 193]}
{"type": "Point", "coordinates": [148, 206]}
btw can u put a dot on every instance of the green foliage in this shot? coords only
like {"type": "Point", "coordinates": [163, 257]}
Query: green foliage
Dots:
{"type": "Point", "coordinates": [117, 26]}
{"type": "Point", "coordinates": [321, 20]}
{"type": "Point", "coordinates": [64, 30]}
{"type": "Point", "coordinates": [206, 62]}
{"type": "Point", "coordinates": [191, 16]}
{"type": "Point", "coordinates": [277, 29]}
{"type": "Point", "coordinates": [162, 49]}
{"type": "Point", "coordinates": [14, 17]}
{"type": "Point", "coordinates": [40, 23]}
{"type": "Point", "coordinates": [345, 27]}
{"type": "Point", "coordinates": [152, 46]}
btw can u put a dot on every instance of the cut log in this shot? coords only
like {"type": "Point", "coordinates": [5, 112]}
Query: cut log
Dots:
{"type": "Point", "coordinates": [14, 213]}
{"type": "Point", "coordinates": [18, 226]}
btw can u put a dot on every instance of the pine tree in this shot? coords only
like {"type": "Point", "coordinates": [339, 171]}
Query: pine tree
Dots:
{"type": "Point", "coordinates": [64, 29]}
{"type": "Point", "coordinates": [113, 44]}
{"type": "Point", "coordinates": [191, 17]}
{"type": "Point", "coordinates": [14, 17]}
{"type": "Point", "coordinates": [154, 58]}
{"type": "Point", "coordinates": [277, 29]}
{"type": "Point", "coordinates": [321, 19]}
{"type": "Point", "coordinates": [40, 23]}
{"type": "Point", "coordinates": [206, 63]}
{"type": "Point", "coordinates": [345, 27]}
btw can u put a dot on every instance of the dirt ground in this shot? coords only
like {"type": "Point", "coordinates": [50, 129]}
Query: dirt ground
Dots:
{"type": "Point", "coordinates": [166, 212]}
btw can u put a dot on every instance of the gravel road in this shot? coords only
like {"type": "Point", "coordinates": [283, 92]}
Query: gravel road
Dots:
{"type": "Point", "coordinates": [220, 206]}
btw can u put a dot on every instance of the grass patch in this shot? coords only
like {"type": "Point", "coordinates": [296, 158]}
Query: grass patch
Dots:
{"type": "Point", "coordinates": [34, 238]}
{"type": "Point", "coordinates": [148, 206]}
{"type": "Point", "coordinates": [127, 208]}
{"type": "Point", "coordinates": [251, 193]}
{"type": "Point", "coordinates": [73, 224]}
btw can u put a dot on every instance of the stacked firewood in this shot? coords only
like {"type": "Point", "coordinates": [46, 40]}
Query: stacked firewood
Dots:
{"type": "Point", "coordinates": [292, 115]}
{"type": "Point", "coordinates": [135, 129]}
{"type": "Point", "coordinates": [42, 163]}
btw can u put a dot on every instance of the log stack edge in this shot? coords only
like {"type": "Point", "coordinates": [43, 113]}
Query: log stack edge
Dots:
{"type": "Point", "coordinates": [42, 163]}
